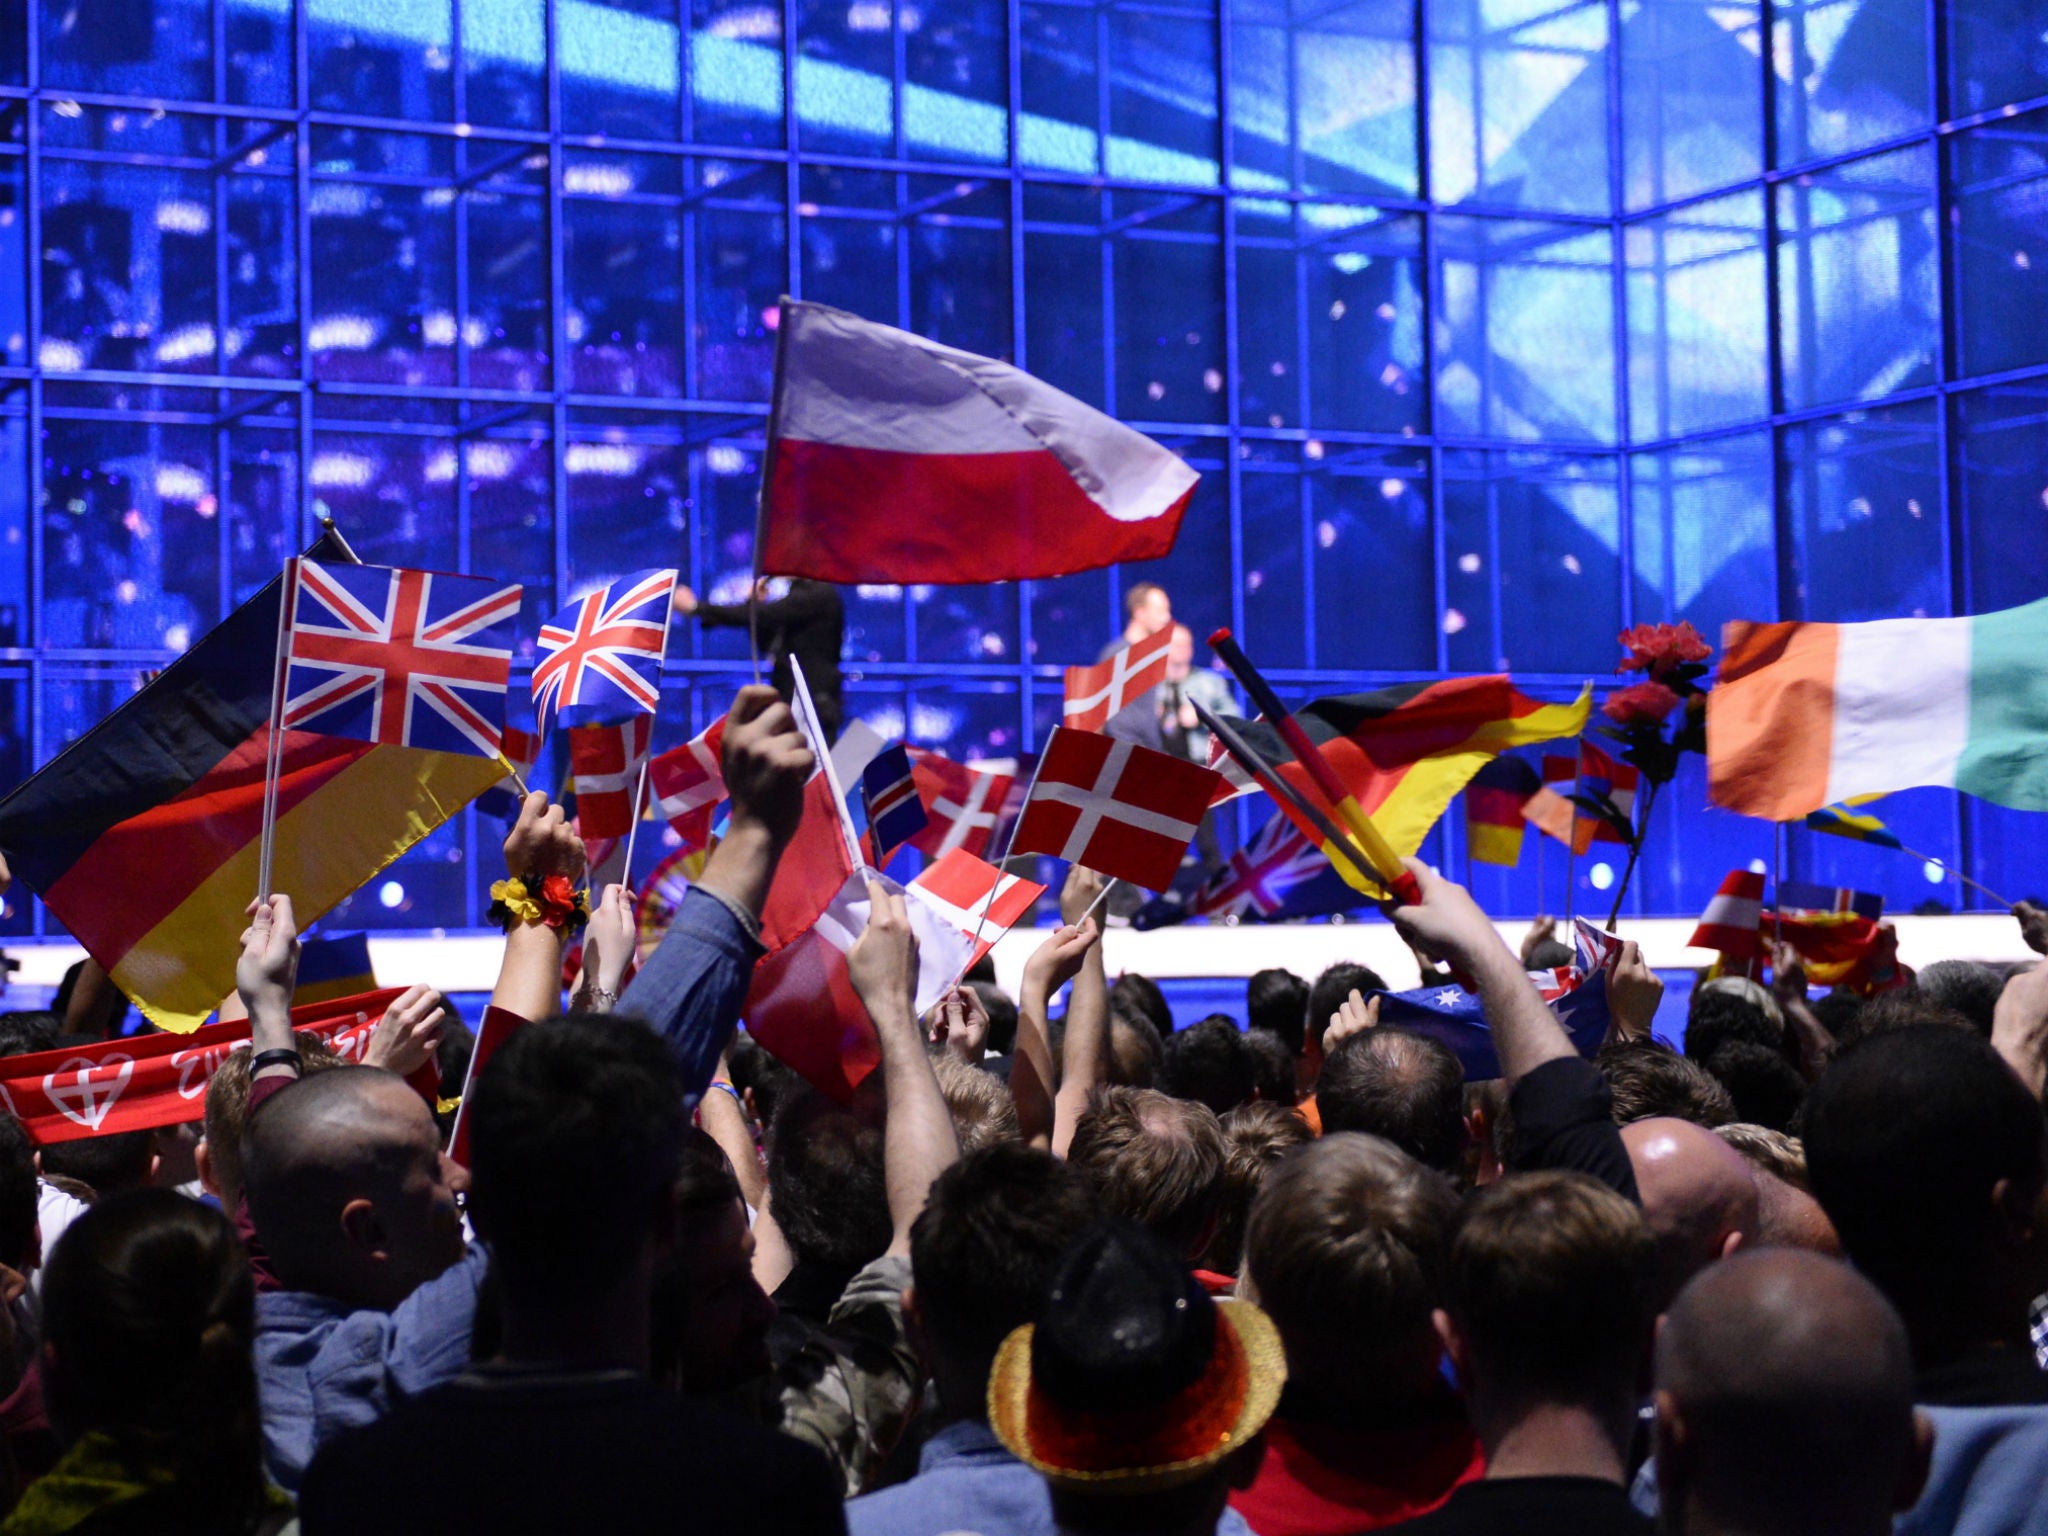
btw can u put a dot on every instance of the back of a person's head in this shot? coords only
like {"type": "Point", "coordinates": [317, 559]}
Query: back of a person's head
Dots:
{"type": "Point", "coordinates": [1277, 1001]}
{"type": "Point", "coordinates": [1649, 1080]}
{"type": "Point", "coordinates": [1135, 1051]}
{"type": "Point", "coordinates": [108, 1164]}
{"type": "Point", "coordinates": [1272, 1067]}
{"type": "Point", "coordinates": [826, 1182]}
{"type": "Point", "coordinates": [575, 1139]}
{"type": "Point", "coordinates": [148, 1313]}
{"type": "Point", "coordinates": [1209, 1063]}
{"type": "Point", "coordinates": [227, 1115]}
{"type": "Point", "coordinates": [1132, 993]}
{"type": "Point", "coordinates": [1779, 1155]}
{"type": "Point", "coordinates": [1907, 1136]}
{"type": "Point", "coordinates": [1255, 1138]}
{"type": "Point", "coordinates": [1838, 1012]}
{"type": "Point", "coordinates": [1552, 1287]}
{"type": "Point", "coordinates": [1345, 1250]}
{"type": "Point", "coordinates": [989, 1238]}
{"type": "Point", "coordinates": [20, 1195]}
{"type": "Point", "coordinates": [1405, 1087]}
{"type": "Point", "coordinates": [1970, 988]}
{"type": "Point", "coordinates": [1002, 1016]}
{"type": "Point", "coordinates": [983, 1111]}
{"type": "Point", "coordinates": [1326, 995]}
{"type": "Point", "coordinates": [24, 1032]}
{"type": "Point", "coordinates": [1904, 1007]}
{"type": "Point", "coordinates": [1763, 1087]}
{"type": "Point", "coordinates": [761, 1077]}
{"type": "Point", "coordinates": [1155, 1160]}
{"type": "Point", "coordinates": [1717, 1015]}
{"type": "Point", "coordinates": [1785, 1401]}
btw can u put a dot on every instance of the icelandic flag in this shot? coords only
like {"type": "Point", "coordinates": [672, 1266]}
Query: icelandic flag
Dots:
{"type": "Point", "coordinates": [897, 459]}
{"type": "Point", "coordinates": [600, 657]}
{"type": "Point", "coordinates": [400, 658]}
{"type": "Point", "coordinates": [1577, 994]}
{"type": "Point", "coordinates": [895, 814]}
{"type": "Point", "coordinates": [1798, 897]}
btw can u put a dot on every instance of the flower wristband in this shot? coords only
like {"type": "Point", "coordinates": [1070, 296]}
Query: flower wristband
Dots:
{"type": "Point", "coordinates": [552, 900]}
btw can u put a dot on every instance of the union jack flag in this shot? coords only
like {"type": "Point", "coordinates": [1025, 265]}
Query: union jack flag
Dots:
{"type": "Point", "coordinates": [601, 656]}
{"type": "Point", "coordinates": [1260, 875]}
{"type": "Point", "coordinates": [400, 658]}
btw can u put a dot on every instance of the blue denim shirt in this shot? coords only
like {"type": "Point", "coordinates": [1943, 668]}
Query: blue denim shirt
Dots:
{"type": "Point", "coordinates": [322, 1366]}
{"type": "Point", "coordinates": [694, 985]}
{"type": "Point", "coordinates": [968, 1483]}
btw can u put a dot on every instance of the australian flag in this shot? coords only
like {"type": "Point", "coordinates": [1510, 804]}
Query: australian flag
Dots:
{"type": "Point", "coordinates": [600, 657]}
{"type": "Point", "coordinates": [895, 813]}
{"type": "Point", "coordinates": [1577, 994]}
{"type": "Point", "coordinates": [401, 658]}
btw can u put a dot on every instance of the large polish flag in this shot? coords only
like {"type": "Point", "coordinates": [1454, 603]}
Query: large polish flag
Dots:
{"type": "Point", "coordinates": [895, 459]}
{"type": "Point", "coordinates": [1806, 715]}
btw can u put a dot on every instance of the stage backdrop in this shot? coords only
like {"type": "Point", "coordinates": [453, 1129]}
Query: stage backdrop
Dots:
{"type": "Point", "coordinates": [1487, 340]}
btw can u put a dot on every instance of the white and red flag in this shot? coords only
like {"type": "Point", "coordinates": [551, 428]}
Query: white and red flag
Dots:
{"type": "Point", "coordinates": [1095, 693]}
{"type": "Point", "coordinates": [1119, 809]}
{"type": "Point", "coordinates": [605, 763]}
{"type": "Point", "coordinates": [895, 459]}
{"type": "Point", "coordinates": [962, 803]}
{"type": "Point", "coordinates": [687, 784]}
{"type": "Point", "coordinates": [1733, 917]}
{"type": "Point", "coordinates": [961, 885]}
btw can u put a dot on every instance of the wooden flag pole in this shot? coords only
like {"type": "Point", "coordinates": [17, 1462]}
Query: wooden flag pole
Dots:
{"type": "Point", "coordinates": [273, 754]}
{"type": "Point", "coordinates": [1100, 897]}
{"type": "Point", "coordinates": [1951, 869]}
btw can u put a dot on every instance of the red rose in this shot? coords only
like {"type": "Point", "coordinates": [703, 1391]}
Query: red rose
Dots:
{"type": "Point", "coordinates": [1645, 702]}
{"type": "Point", "coordinates": [1657, 648]}
{"type": "Point", "coordinates": [557, 899]}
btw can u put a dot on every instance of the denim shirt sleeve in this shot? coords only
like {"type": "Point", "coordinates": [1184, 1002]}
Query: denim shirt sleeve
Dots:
{"type": "Point", "coordinates": [694, 985]}
{"type": "Point", "coordinates": [374, 1358]}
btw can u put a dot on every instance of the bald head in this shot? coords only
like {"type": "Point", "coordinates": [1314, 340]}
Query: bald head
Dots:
{"type": "Point", "coordinates": [1785, 1400]}
{"type": "Point", "coordinates": [341, 1168]}
{"type": "Point", "coordinates": [1697, 1195]}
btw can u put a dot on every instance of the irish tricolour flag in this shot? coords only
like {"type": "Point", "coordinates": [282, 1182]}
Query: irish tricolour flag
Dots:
{"type": "Point", "coordinates": [895, 459]}
{"type": "Point", "coordinates": [1805, 715]}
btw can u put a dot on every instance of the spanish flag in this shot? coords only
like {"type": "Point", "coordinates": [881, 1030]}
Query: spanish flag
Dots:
{"type": "Point", "coordinates": [1493, 809]}
{"type": "Point", "coordinates": [141, 837]}
{"type": "Point", "coordinates": [1404, 751]}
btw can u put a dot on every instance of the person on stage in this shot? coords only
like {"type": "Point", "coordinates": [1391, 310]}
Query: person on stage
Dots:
{"type": "Point", "coordinates": [808, 623]}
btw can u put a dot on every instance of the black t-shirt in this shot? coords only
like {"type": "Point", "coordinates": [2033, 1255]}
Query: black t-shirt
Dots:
{"type": "Point", "coordinates": [1564, 1118]}
{"type": "Point", "coordinates": [505, 1448]}
{"type": "Point", "coordinates": [1534, 1506]}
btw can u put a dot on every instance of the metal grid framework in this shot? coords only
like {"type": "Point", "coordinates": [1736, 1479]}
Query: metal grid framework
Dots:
{"type": "Point", "coordinates": [1494, 328]}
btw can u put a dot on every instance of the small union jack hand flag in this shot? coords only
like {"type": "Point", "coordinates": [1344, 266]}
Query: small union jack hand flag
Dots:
{"type": "Point", "coordinates": [401, 658]}
{"type": "Point", "coordinates": [895, 813]}
{"type": "Point", "coordinates": [600, 657]}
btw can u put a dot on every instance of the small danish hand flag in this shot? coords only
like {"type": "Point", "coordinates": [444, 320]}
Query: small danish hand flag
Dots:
{"type": "Point", "coordinates": [688, 784]}
{"type": "Point", "coordinates": [962, 804]}
{"type": "Point", "coordinates": [1119, 809]}
{"type": "Point", "coordinates": [976, 897]}
{"type": "Point", "coordinates": [606, 762]}
{"type": "Point", "coordinates": [1095, 693]}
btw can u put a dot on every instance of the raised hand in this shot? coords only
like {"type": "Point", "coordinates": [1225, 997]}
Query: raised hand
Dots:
{"type": "Point", "coordinates": [2033, 924]}
{"type": "Point", "coordinates": [406, 1038]}
{"type": "Point", "coordinates": [608, 943]}
{"type": "Point", "coordinates": [1079, 893]}
{"type": "Point", "coordinates": [2019, 1026]}
{"type": "Point", "coordinates": [1447, 923]}
{"type": "Point", "coordinates": [1059, 959]}
{"type": "Point", "coordinates": [958, 1023]}
{"type": "Point", "coordinates": [883, 960]}
{"type": "Point", "coordinates": [269, 967]}
{"type": "Point", "coordinates": [1543, 928]}
{"type": "Point", "coordinates": [766, 762]}
{"type": "Point", "coordinates": [1633, 992]}
{"type": "Point", "coordinates": [542, 842]}
{"type": "Point", "coordinates": [1353, 1016]}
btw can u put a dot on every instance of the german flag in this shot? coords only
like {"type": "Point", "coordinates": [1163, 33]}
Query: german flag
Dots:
{"type": "Point", "coordinates": [142, 837]}
{"type": "Point", "coordinates": [1403, 752]}
{"type": "Point", "coordinates": [1493, 809]}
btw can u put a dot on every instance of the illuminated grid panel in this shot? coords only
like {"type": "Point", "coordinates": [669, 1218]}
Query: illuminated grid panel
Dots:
{"type": "Point", "coordinates": [1493, 326]}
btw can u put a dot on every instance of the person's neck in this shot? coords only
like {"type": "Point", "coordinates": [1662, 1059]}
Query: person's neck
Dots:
{"type": "Point", "coordinates": [606, 1331]}
{"type": "Point", "coordinates": [1555, 1440]}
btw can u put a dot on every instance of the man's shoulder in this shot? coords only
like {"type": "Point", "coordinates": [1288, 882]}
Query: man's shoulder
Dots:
{"type": "Point", "coordinates": [995, 1497]}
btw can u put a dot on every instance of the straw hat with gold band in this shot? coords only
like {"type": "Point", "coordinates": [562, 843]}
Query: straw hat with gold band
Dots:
{"type": "Point", "coordinates": [1133, 1380]}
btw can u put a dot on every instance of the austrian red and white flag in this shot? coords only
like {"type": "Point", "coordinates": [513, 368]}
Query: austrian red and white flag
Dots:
{"type": "Point", "coordinates": [895, 459]}
{"type": "Point", "coordinates": [1733, 917]}
{"type": "Point", "coordinates": [1095, 693]}
{"type": "Point", "coordinates": [1119, 809]}
{"type": "Point", "coordinates": [605, 763]}
{"type": "Point", "coordinates": [688, 785]}
{"type": "Point", "coordinates": [961, 886]}
{"type": "Point", "coordinates": [963, 803]}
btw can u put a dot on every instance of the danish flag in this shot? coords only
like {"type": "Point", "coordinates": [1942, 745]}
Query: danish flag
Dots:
{"type": "Point", "coordinates": [601, 656]}
{"type": "Point", "coordinates": [401, 658]}
{"type": "Point", "coordinates": [1260, 875]}
{"type": "Point", "coordinates": [1119, 809]}
{"type": "Point", "coordinates": [1095, 693]}
{"type": "Point", "coordinates": [960, 885]}
{"type": "Point", "coordinates": [606, 762]}
{"type": "Point", "coordinates": [963, 804]}
{"type": "Point", "coordinates": [688, 784]}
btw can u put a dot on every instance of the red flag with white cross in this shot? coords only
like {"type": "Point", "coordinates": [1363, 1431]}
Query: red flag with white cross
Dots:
{"type": "Point", "coordinates": [1119, 809]}
{"type": "Point", "coordinates": [1095, 693]}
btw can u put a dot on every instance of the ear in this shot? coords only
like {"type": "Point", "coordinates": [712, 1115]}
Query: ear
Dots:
{"type": "Point", "coordinates": [1913, 1475]}
{"type": "Point", "coordinates": [1729, 1244]}
{"type": "Point", "coordinates": [914, 1328]}
{"type": "Point", "coordinates": [202, 1163]}
{"type": "Point", "coordinates": [1673, 1449]}
{"type": "Point", "coordinates": [1453, 1342]}
{"type": "Point", "coordinates": [363, 1228]}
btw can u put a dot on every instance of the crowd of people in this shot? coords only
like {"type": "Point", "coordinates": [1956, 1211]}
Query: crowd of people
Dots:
{"type": "Point", "coordinates": [1054, 1267]}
